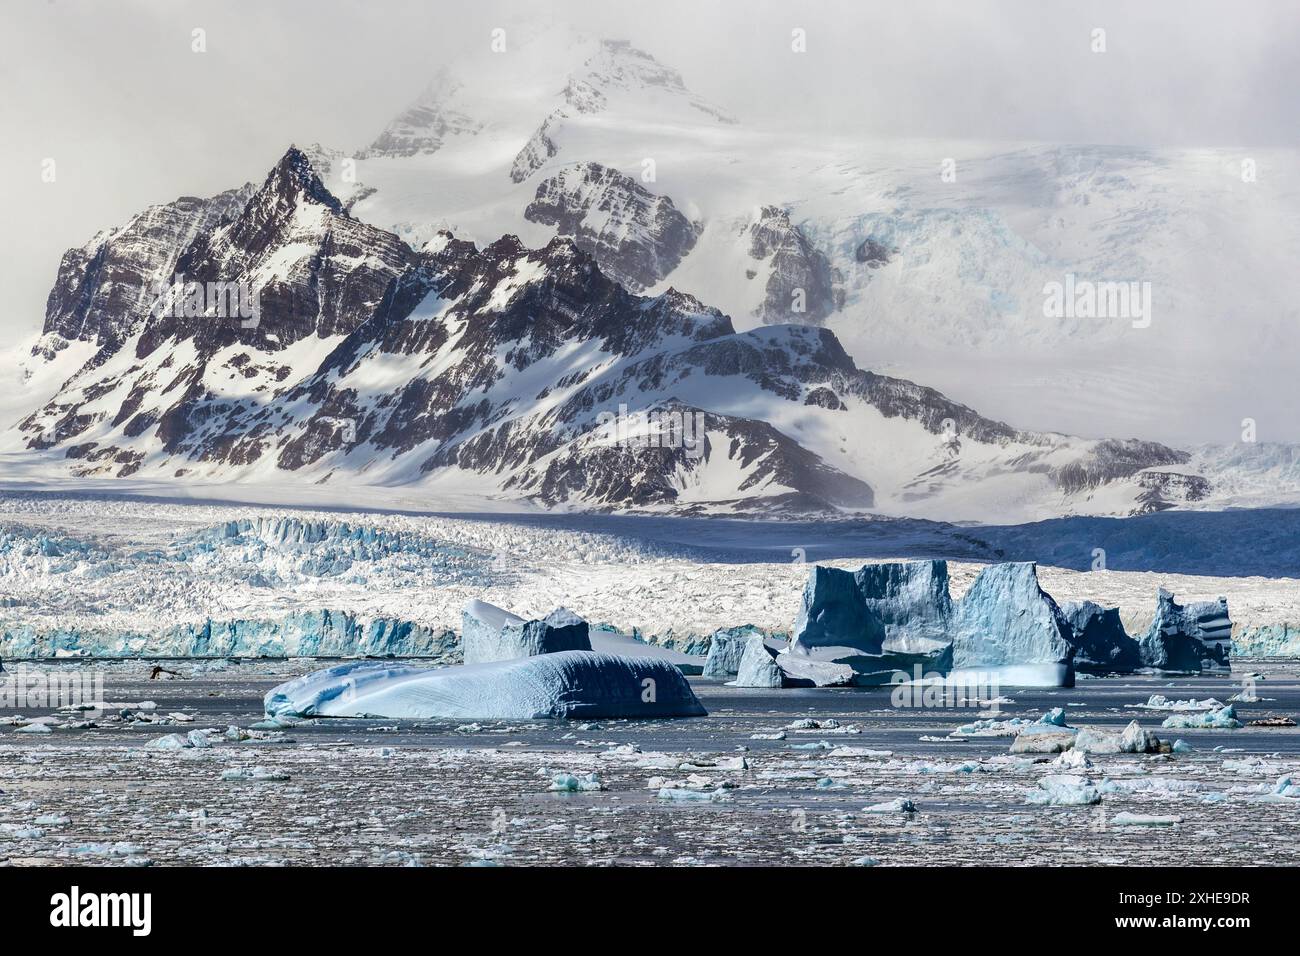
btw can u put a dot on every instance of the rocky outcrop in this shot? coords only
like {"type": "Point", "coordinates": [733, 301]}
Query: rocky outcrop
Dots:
{"type": "Point", "coordinates": [1190, 638]}
{"type": "Point", "coordinates": [105, 289]}
{"type": "Point", "coordinates": [489, 633]}
{"type": "Point", "coordinates": [636, 236]}
{"type": "Point", "coordinates": [802, 286]}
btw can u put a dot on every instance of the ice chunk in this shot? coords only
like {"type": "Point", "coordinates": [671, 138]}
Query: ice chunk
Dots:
{"type": "Point", "coordinates": [758, 666]}
{"type": "Point", "coordinates": [1131, 740]}
{"type": "Point", "coordinates": [490, 633]}
{"type": "Point", "coordinates": [1161, 702]}
{"type": "Point", "coordinates": [1043, 739]}
{"type": "Point", "coordinates": [571, 783]}
{"type": "Point", "coordinates": [565, 684]}
{"type": "Point", "coordinates": [1188, 638]}
{"type": "Point", "coordinates": [1126, 819]}
{"type": "Point", "coordinates": [1225, 718]}
{"type": "Point", "coordinates": [897, 805]}
{"type": "Point", "coordinates": [1064, 790]}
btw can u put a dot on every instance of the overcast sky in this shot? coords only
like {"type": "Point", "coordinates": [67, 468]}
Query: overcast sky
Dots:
{"type": "Point", "coordinates": [132, 116]}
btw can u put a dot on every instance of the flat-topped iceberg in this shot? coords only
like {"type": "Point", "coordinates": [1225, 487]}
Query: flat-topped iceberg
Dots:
{"type": "Point", "coordinates": [490, 633]}
{"type": "Point", "coordinates": [565, 684]}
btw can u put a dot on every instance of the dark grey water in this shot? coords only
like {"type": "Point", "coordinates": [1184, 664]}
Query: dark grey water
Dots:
{"type": "Point", "coordinates": [435, 792]}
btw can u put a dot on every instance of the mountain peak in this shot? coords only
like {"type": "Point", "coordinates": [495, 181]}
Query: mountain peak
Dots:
{"type": "Point", "coordinates": [294, 175]}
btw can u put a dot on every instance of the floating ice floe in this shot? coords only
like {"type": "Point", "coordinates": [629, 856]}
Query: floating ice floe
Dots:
{"type": "Point", "coordinates": [1131, 740]}
{"type": "Point", "coordinates": [683, 794]}
{"type": "Point", "coordinates": [567, 684]}
{"type": "Point", "coordinates": [897, 805]}
{"type": "Point", "coordinates": [1161, 702]}
{"type": "Point", "coordinates": [1064, 790]}
{"type": "Point", "coordinates": [571, 783]}
{"type": "Point", "coordinates": [1126, 819]}
{"type": "Point", "coordinates": [1225, 718]}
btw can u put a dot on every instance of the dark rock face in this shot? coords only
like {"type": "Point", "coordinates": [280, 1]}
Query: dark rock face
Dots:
{"type": "Point", "coordinates": [1115, 458]}
{"type": "Point", "coordinates": [1188, 638]}
{"type": "Point", "coordinates": [1163, 490]}
{"type": "Point", "coordinates": [105, 288]}
{"type": "Point", "coordinates": [802, 285]}
{"type": "Point", "coordinates": [636, 236]}
{"type": "Point", "coordinates": [873, 253]}
{"type": "Point", "coordinates": [538, 150]}
{"type": "Point", "coordinates": [1101, 645]}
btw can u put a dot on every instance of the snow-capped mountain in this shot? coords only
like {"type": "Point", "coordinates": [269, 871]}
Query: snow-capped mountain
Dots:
{"type": "Point", "coordinates": [519, 280]}
{"type": "Point", "coordinates": [928, 259]}
{"type": "Point", "coordinates": [523, 372]}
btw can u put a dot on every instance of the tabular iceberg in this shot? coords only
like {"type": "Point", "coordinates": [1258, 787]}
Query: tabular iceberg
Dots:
{"type": "Point", "coordinates": [490, 633]}
{"type": "Point", "coordinates": [565, 684]}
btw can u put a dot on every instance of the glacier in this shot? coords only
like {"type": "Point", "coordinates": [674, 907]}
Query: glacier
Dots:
{"type": "Point", "coordinates": [565, 684]}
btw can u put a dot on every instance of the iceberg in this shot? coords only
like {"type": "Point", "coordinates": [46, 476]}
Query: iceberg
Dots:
{"type": "Point", "coordinates": [726, 648]}
{"type": "Point", "coordinates": [564, 684]}
{"type": "Point", "coordinates": [1064, 790]}
{"type": "Point", "coordinates": [1101, 645]}
{"type": "Point", "coordinates": [1131, 740]}
{"type": "Point", "coordinates": [758, 667]}
{"type": "Point", "coordinates": [866, 628]}
{"type": "Point", "coordinates": [490, 633]}
{"type": "Point", "coordinates": [1006, 620]}
{"type": "Point", "coordinates": [1188, 638]}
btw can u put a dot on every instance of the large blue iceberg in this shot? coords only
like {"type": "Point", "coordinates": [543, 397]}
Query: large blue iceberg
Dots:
{"type": "Point", "coordinates": [1101, 645]}
{"type": "Point", "coordinates": [566, 684]}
